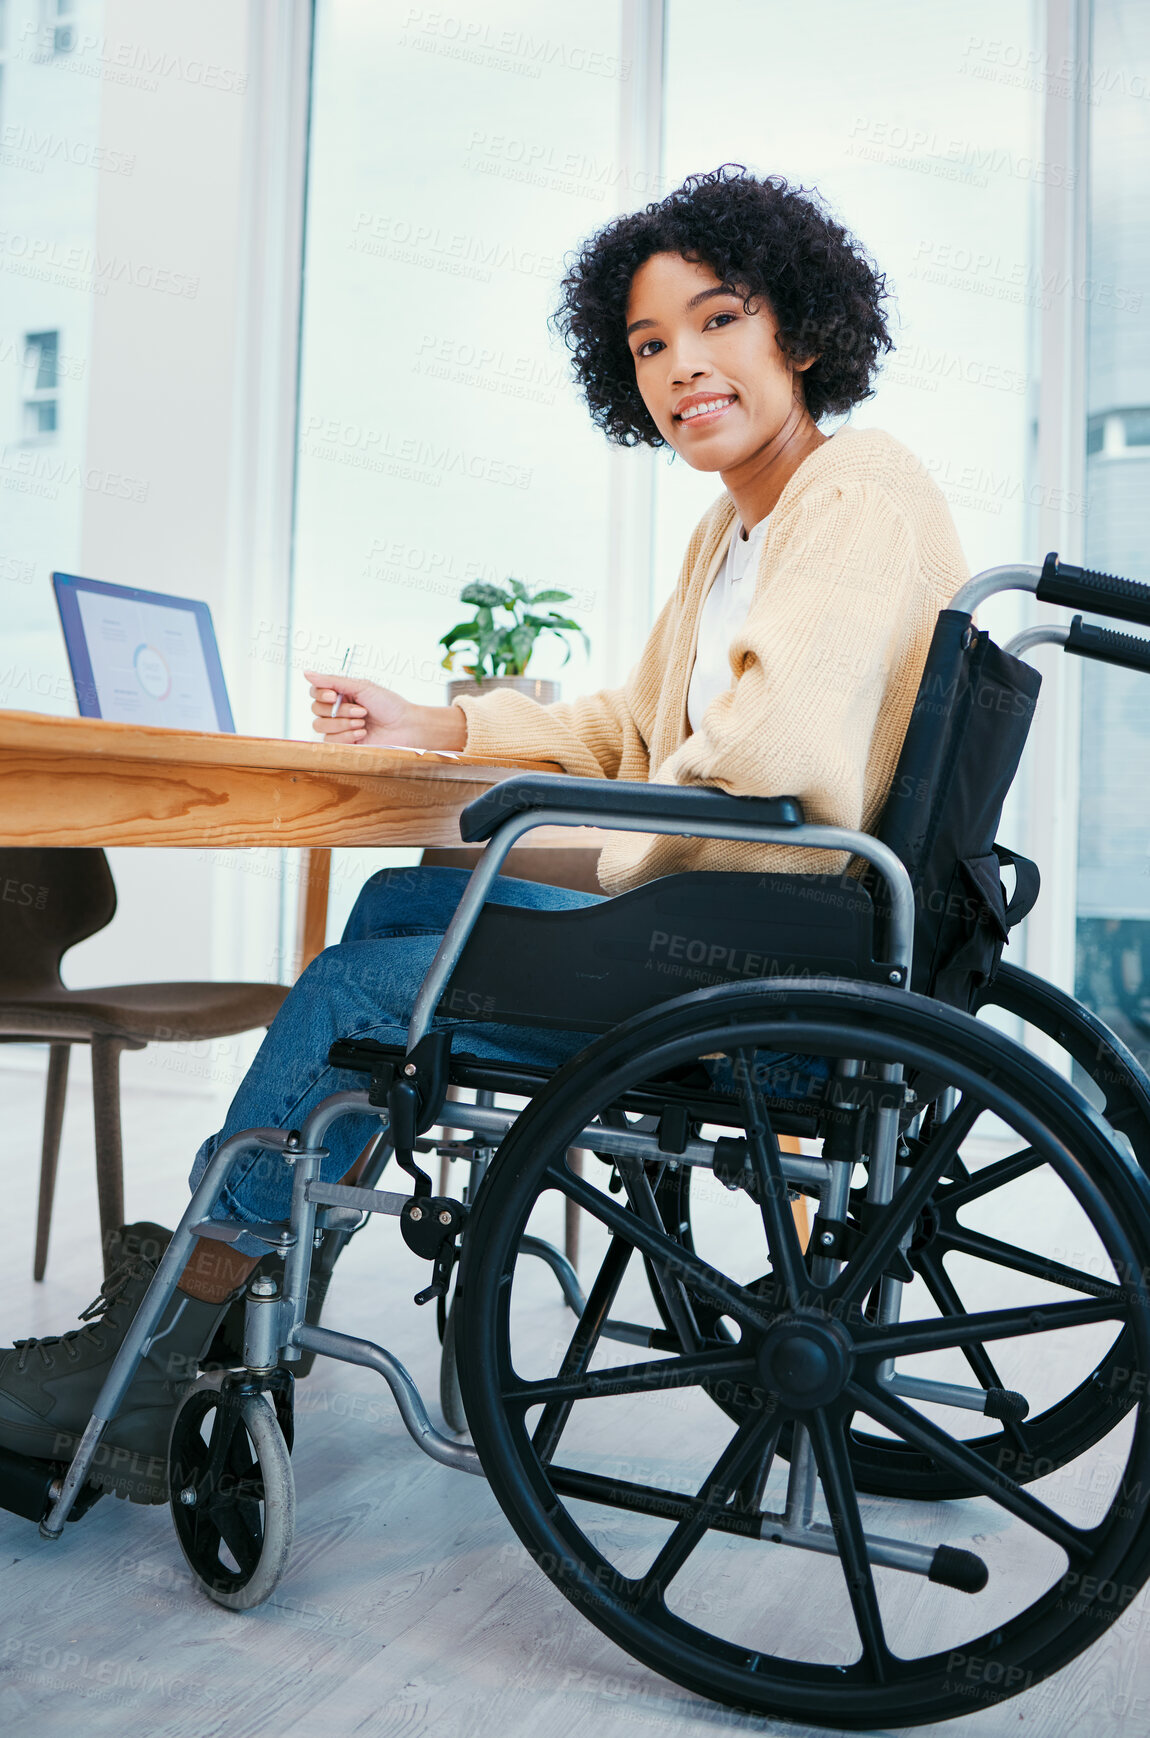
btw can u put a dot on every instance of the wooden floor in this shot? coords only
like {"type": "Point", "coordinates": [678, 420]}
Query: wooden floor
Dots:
{"type": "Point", "coordinates": [409, 1606]}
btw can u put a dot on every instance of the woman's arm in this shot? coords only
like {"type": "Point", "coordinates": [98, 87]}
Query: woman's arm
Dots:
{"type": "Point", "coordinates": [592, 737]}
{"type": "Point", "coordinates": [371, 717]}
{"type": "Point", "coordinates": [603, 735]}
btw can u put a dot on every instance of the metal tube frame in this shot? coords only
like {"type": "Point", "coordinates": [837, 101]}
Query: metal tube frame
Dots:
{"type": "Point", "coordinates": [1016, 577]}
{"type": "Point", "coordinates": [1045, 634]}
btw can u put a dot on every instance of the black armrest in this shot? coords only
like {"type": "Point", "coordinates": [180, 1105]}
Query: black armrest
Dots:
{"type": "Point", "coordinates": [624, 798]}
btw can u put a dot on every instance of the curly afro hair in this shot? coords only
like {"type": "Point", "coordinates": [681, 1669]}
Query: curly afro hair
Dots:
{"type": "Point", "coordinates": [768, 240]}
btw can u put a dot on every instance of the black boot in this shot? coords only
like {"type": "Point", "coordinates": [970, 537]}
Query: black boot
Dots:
{"type": "Point", "coordinates": [48, 1386]}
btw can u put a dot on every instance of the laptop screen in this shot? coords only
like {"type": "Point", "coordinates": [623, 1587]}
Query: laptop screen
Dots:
{"type": "Point", "coordinates": [141, 657]}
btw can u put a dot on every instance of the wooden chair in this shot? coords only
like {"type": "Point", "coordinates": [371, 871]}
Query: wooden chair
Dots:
{"type": "Point", "coordinates": [49, 901]}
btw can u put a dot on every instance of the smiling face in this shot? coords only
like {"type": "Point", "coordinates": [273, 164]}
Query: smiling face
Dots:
{"type": "Point", "coordinates": [717, 386]}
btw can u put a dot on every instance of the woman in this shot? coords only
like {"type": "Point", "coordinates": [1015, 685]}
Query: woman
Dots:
{"type": "Point", "coordinates": [725, 322]}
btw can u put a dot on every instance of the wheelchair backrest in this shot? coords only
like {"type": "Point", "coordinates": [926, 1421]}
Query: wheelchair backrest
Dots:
{"type": "Point", "coordinates": [969, 726]}
{"type": "Point", "coordinates": [587, 969]}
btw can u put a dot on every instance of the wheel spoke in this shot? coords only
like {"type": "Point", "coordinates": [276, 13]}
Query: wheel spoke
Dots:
{"type": "Point", "coordinates": [648, 1500]}
{"type": "Point", "coordinates": [751, 1489]}
{"type": "Point", "coordinates": [673, 1292]}
{"type": "Point", "coordinates": [767, 1169]}
{"type": "Point", "coordinates": [945, 1294]}
{"type": "Point", "coordinates": [238, 1538]}
{"type": "Point", "coordinates": [905, 1339]}
{"type": "Point", "coordinates": [697, 1275]}
{"type": "Point", "coordinates": [582, 1344]}
{"type": "Point", "coordinates": [247, 1507]}
{"type": "Point", "coordinates": [984, 1248]}
{"type": "Point", "coordinates": [880, 1245]}
{"type": "Point", "coordinates": [193, 1461]}
{"type": "Point", "coordinates": [828, 1438]}
{"type": "Point", "coordinates": [219, 1444]}
{"type": "Point", "coordinates": [897, 1416]}
{"type": "Point", "coordinates": [243, 1461]}
{"type": "Point", "coordinates": [743, 1453]}
{"type": "Point", "coordinates": [649, 1377]}
{"type": "Point", "coordinates": [996, 1176]}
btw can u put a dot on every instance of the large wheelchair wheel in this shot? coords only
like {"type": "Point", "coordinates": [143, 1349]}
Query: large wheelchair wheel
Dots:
{"type": "Point", "coordinates": [1114, 1081]}
{"type": "Point", "coordinates": [648, 1486]}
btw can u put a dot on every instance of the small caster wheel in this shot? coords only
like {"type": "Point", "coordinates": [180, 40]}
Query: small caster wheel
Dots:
{"type": "Point", "coordinates": [232, 1490]}
{"type": "Point", "coordinates": [450, 1398]}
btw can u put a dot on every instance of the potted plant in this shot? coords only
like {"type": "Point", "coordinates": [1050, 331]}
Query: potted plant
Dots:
{"type": "Point", "coordinates": [501, 636]}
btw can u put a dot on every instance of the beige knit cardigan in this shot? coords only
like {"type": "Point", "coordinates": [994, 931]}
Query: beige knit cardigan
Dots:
{"type": "Point", "coordinates": [860, 555]}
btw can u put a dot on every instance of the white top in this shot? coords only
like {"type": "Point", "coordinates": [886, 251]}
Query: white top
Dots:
{"type": "Point", "coordinates": [724, 611]}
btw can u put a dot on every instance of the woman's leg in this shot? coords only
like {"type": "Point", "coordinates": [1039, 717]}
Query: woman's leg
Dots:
{"type": "Point", "coordinates": [365, 987]}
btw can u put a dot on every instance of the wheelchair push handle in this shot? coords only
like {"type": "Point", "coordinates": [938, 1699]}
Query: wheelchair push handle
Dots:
{"type": "Point", "coordinates": [1103, 594]}
{"type": "Point", "coordinates": [1107, 645]}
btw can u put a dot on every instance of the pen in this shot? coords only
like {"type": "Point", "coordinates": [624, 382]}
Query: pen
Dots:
{"type": "Point", "coordinates": [342, 671]}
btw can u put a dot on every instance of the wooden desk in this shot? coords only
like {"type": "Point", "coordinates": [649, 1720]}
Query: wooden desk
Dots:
{"type": "Point", "coordinates": [87, 781]}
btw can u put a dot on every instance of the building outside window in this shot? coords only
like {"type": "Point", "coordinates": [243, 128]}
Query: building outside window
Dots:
{"type": "Point", "coordinates": [59, 26]}
{"type": "Point", "coordinates": [41, 385]}
{"type": "Point", "coordinates": [50, 128]}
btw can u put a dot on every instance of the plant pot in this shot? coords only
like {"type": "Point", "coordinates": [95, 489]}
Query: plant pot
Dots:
{"type": "Point", "coordinates": [535, 687]}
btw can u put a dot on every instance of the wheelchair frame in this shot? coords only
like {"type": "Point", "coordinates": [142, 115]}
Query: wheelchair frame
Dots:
{"type": "Point", "coordinates": [275, 1330]}
{"type": "Point", "coordinates": [277, 1327]}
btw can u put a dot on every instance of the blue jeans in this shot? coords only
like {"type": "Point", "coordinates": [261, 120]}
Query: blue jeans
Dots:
{"type": "Point", "coordinates": [365, 988]}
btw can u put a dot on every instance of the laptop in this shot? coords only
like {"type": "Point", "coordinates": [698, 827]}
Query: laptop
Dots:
{"type": "Point", "coordinates": [142, 657]}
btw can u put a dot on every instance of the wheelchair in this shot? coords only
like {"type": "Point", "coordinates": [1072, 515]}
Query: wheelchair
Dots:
{"type": "Point", "coordinates": [891, 1472]}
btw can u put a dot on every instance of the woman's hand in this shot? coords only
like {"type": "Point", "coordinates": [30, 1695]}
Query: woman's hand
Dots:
{"type": "Point", "coordinates": [372, 717]}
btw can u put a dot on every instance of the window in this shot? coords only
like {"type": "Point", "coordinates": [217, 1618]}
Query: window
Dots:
{"type": "Point", "coordinates": [927, 146]}
{"type": "Point", "coordinates": [441, 440]}
{"type": "Point", "coordinates": [1113, 929]}
{"type": "Point", "coordinates": [41, 376]}
{"type": "Point", "coordinates": [126, 377]}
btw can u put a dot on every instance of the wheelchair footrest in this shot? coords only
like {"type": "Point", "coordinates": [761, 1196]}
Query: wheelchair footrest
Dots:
{"type": "Point", "coordinates": [280, 1237]}
{"type": "Point", "coordinates": [29, 1487]}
